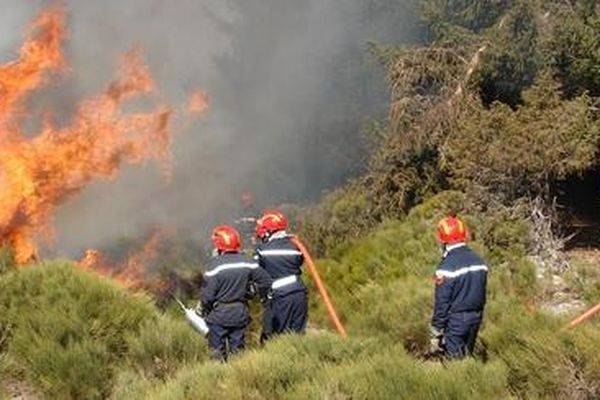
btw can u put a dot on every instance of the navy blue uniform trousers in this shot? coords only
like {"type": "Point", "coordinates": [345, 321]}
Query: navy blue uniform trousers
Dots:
{"type": "Point", "coordinates": [461, 333]}
{"type": "Point", "coordinates": [290, 312]}
{"type": "Point", "coordinates": [225, 340]}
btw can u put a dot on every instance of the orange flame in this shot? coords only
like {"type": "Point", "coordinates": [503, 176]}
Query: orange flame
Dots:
{"type": "Point", "coordinates": [93, 260]}
{"type": "Point", "coordinates": [197, 103]}
{"type": "Point", "coordinates": [132, 272]}
{"type": "Point", "coordinates": [38, 174]}
{"type": "Point", "coordinates": [40, 53]}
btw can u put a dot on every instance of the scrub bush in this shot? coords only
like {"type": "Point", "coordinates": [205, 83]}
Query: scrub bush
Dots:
{"type": "Point", "coordinates": [395, 313]}
{"type": "Point", "coordinates": [584, 276]}
{"type": "Point", "coordinates": [542, 360]}
{"type": "Point", "coordinates": [91, 339]}
{"type": "Point", "coordinates": [268, 374]}
{"type": "Point", "coordinates": [66, 331]}
{"type": "Point", "coordinates": [162, 345]}
{"type": "Point", "coordinates": [7, 260]}
{"type": "Point", "coordinates": [295, 368]}
{"type": "Point", "coordinates": [394, 375]}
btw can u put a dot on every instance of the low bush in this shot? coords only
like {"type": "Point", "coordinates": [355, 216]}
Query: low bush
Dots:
{"type": "Point", "coordinates": [584, 276]}
{"type": "Point", "coordinates": [7, 260]}
{"type": "Point", "coordinates": [70, 334]}
{"type": "Point", "coordinates": [162, 345]}
{"type": "Point", "coordinates": [391, 374]}
{"type": "Point", "coordinates": [543, 361]}
{"type": "Point", "coordinates": [398, 312]}
{"type": "Point", "coordinates": [65, 331]}
{"type": "Point", "coordinates": [66, 327]}
{"type": "Point", "coordinates": [271, 373]}
{"type": "Point", "coordinates": [321, 367]}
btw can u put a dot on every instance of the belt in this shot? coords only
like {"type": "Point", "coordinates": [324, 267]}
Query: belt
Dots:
{"type": "Point", "coordinates": [462, 313]}
{"type": "Point", "coordinates": [288, 280]}
{"type": "Point", "coordinates": [228, 303]}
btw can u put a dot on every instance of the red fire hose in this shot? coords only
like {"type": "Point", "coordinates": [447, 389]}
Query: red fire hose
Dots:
{"type": "Point", "coordinates": [585, 316]}
{"type": "Point", "coordinates": [321, 287]}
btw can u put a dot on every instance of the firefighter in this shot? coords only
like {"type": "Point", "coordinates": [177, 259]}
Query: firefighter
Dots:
{"type": "Point", "coordinates": [460, 292]}
{"type": "Point", "coordinates": [223, 300]}
{"type": "Point", "coordinates": [279, 256]}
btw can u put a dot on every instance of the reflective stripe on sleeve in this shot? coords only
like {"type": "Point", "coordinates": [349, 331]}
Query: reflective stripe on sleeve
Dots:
{"type": "Point", "coordinates": [224, 267]}
{"type": "Point", "coordinates": [461, 271]}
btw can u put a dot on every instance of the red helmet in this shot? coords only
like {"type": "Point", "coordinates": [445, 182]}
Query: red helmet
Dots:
{"type": "Point", "coordinates": [271, 221]}
{"type": "Point", "coordinates": [451, 230]}
{"type": "Point", "coordinates": [260, 230]}
{"type": "Point", "coordinates": [225, 238]}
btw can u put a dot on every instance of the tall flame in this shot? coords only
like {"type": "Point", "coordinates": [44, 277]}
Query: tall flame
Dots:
{"type": "Point", "coordinates": [39, 173]}
{"type": "Point", "coordinates": [40, 53]}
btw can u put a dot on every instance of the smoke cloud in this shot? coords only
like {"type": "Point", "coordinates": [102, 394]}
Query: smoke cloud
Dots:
{"type": "Point", "coordinates": [290, 86]}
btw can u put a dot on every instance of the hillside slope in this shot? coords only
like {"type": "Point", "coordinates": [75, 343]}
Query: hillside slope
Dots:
{"type": "Point", "coordinates": [70, 334]}
{"type": "Point", "coordinates": [496, 117]}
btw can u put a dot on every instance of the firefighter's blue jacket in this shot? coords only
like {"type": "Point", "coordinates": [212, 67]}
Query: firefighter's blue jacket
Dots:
{"type": "Point", "coordinates": [461, 280]}
{"type": "Point", "coordinates": [282, 260]}
{"type": "Point", "coordinates": [225, 288]}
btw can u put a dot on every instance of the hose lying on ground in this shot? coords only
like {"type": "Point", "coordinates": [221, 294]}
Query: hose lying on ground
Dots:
{"type": "Point", "coordinates": [585, 316]}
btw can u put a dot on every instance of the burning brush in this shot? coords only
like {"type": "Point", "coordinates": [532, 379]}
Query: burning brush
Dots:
{"type": "Point", "coordinates": [139, 268]}
{"type": "Point", "coordinates": [38, 173]}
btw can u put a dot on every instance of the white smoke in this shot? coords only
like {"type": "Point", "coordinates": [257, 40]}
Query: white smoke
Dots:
{"type": "Point", "coordinates": [289, 82]}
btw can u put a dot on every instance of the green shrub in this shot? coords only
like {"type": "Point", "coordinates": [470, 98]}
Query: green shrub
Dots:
{"type": "Point", "coordinates": [520, 152]}
{"type": "Point", "coordinates": [516, 279]}
{"type": "Point", "coordinates": [343, 215]}
{"type": "Point", "coordinates": [66, 331]}
{"type": "Point", "coordinates": [325, 368]}
{"type": "Point", "coordinates": [7, 260]}
{"type": "Point", "coordinates": [163, 345]}
{"type": "Point", "coordinates": [66, 327]}
{"type": "Point", "coordinates": [391, 374]}
{"type": "Point", "coordinates": [394, 250]}
{"type": "Point", "coordinates": [398, 312]}
{"type": "Point", "coordinates": [269, 374]}
{"type": "Point", "coordinates": [584, 277]}
{"type": "Point", "coordinates": [543, 361]}
{"type": "Point", "coordinates": [507, 238]}
{"type": "Point", "coordinates": [71, 334]}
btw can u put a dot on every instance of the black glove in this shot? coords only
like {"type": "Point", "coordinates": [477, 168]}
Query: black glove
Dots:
{"type": "Point", "coordinates": [203, 309]}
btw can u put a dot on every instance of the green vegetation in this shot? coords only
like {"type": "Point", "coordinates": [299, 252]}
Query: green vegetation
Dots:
{"type": "Point", "coordinates": [324, 367]}
{"type": "Point", "coordinates": [70, 334]}
{"type": "Point", "coordinates": [500, 103]}
{"type": "Point", "coordinates": [498, 108]}
{"type": "Point", "coordinates": [66, 332]}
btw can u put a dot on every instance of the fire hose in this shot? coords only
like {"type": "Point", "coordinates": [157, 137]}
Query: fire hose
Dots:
{"type": "Point", "coordinates": [585, 316]}
{"type": "Point", "coordinates": [199, 324]}
{"type": "Point", "coordinates": [321, 287]}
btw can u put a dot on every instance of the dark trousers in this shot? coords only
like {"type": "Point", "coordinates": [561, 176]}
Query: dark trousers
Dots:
{"type": "Point", "coordinates": [267, 320]}
{"type": "Point", "coordinates": [461, 332]}
{"type": "Point", "coordinates": [225, 340]}
{"type": "Point", "coordinates": [290, 312]}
